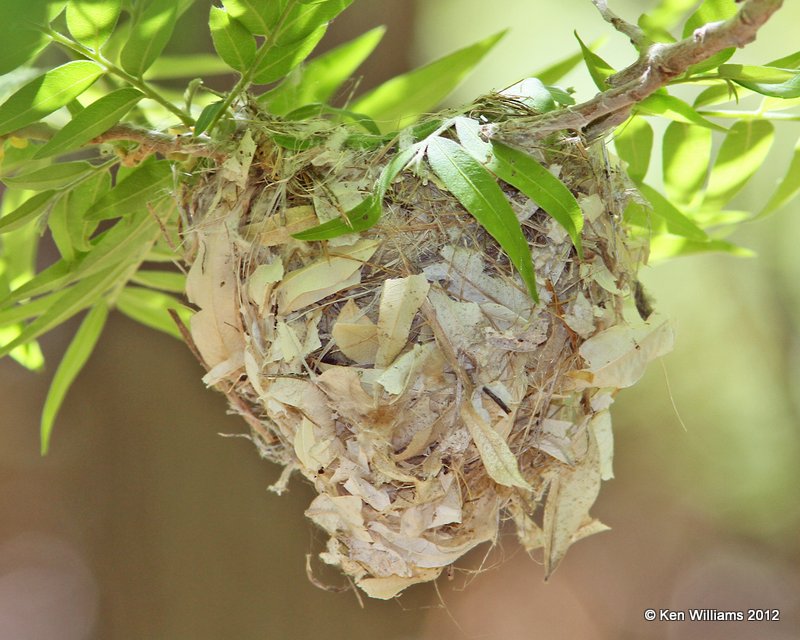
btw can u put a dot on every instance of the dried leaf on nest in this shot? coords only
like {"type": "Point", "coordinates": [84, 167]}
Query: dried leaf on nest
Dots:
{"type": "Point", "coordinates": [401, 298]}
{"type": "Point", "coordinates": [355, 334]}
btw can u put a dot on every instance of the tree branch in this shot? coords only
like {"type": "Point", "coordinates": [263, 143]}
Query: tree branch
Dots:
{"type": "Point", "coordinates": [155, 141]}
{"type": "Point", "coordinates": [636, 35]}
{"type": "Point", "coordinates": [656, 66]}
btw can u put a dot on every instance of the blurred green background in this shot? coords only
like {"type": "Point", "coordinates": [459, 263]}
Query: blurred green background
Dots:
{"type": "Point", "coordinates": [142, 523]}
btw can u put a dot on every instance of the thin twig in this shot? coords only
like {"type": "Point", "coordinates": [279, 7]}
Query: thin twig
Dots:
{"type": "Point", "coordinates": [634, 33]}
{"type": "Point", "coordinates": [656, 66]}
{"type": "Point", "coordinates": [155, 141]}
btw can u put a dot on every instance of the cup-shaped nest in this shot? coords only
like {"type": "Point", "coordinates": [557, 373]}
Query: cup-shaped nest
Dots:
{"type": "Point", "coordinates": [405, 370]}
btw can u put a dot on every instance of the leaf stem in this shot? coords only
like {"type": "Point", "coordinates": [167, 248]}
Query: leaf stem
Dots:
{"type": "Point", "coordinates": [110, 67]}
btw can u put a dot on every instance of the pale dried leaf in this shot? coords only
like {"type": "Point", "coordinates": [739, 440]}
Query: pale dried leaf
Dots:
{"type": "Point", "coordinates": [401, 298]}
{"type": "Point", "coordinates": [403, 370]}
{"type": "Point", "coordinates": [600, 424]}
{"type": "Point", "coordinates": [387, 588]}
{"type": "Point", "coordinates": [339, 514]}
{"type": "Point", "coordinates": [617, 357]}
{"type": "Point", "coordinates": [260, 282]}
{"type": "Point", "coordinates": [318, 280]}
{"type": "Point", "coordinates": [237, 167]}
{"type": "Point", "coordinates": [580, 316]}
{"type": "Point", "coordinates": [355, 334]}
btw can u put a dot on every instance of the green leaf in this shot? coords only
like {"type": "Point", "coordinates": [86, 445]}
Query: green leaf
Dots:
{"type": "Point", "coordinates": [306, 17]}
{"type": "Point", "coordinates": [686, 152]}
{"type": "Point", "coordinates": [400, 101]}
{"type": "Point", "coordinates": [164, 280]}
{"type": "Point", "coordinates": [787, 189]}
{"type": "Point", "coordinates": [55, 176]}
{"type": "Point", "coordinates": [786, 90]}
{"type": "Point", "coordinates": [152, 28]}
{"type": "Point", "coordinates": [750, 73]}
{"type": "Point", "coordinates": [192, 65]}
{"type": "Point", "coordinates": [91, 22]}
{"type": "Point", "coordinates": [75, 357]}
{"type": "Point", "coordinates": [659, 21]}
{"type": "Point", "coordinates": [554, 72]}
{"type": "Point", "coordinates": [79, 199]}
{"type": "Point", "coordinates": [47, 93]}
{"type": "Point", "coordinates": [146, 183]}
{"type": "Point", "coordinates": [94, 120]}
{"type": "Point", "coordinates": [27, 212]}
{"type": "Point", "coordinates": [20, 30]}
{"type": "Point", "coordinates": [677, 222]}
{"type": "Point", "coordinates": [258, 17]}
{"type": "Point", "coordinates": [525, 174]}
{"type": "Point", "coordinates": [710, 11]}
{"type": "Point", "coordinates": [150, 308]}
{"type": "Point", "coordinates": [717, 94]}
{"type": "Point", "coordinates": [65, 305]}
{"type": "Point", "coordinates": [207, 116]}
{"type": "Point", "coordinates": [367, 212]}
{"type": "Point", "coordinates": [233, 42]}
{"type": "Point", "coordinates": [58, 223]}
{"type": "Point", "coordinates": [319, 79]}
{"type": "Point", "coordinates": [281, 59]}
{"type": "Point", "coordinates": [598, 68]}
{"type": "Point", "coordinates": [661, 104]}
{"type": "Point", "coordinates": [476, 189]}
{"type": "Point", "coordinates": [634, 144]}
{"type": "Point", "coordinates": [742, 152]}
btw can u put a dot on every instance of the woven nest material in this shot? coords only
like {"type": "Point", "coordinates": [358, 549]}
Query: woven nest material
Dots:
{"type": "Point", "coordinates": [405, 370]}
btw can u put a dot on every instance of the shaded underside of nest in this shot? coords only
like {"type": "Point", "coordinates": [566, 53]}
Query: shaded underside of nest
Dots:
{"type": "Point", "coordinates": [405, 370]}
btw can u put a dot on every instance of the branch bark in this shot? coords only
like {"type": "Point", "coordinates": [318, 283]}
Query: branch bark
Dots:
{"type": "Point", "coordinates": [656, 66]}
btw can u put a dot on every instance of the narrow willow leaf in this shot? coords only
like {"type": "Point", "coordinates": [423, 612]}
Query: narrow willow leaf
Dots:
{"type": "Point", "coordinates": [257, 16]}
{"type": "Point", "coordinates": [207, 116]}
{"type": "Point", "coordinates": [79, 199]}
{"type": "Point", "coordinates": [151, 30]}
{"type": "Point", "coordinates": [58, 223]}
{"type": "Point", "coordinates": [233, 42]}
{"type": "Point", "coordinates": [151, 308]}
{"type": "Point", "coordinates": [55, 176]}
{"type": "Point", "coordinates": [20, 30]}
{"type": "Point", "coordinates": [305, 18]}
{"type": "Point", "coordinates": [27, 212]}
{"type": "Point", "coordinates": [400, 101]}
{"type": "Point", "coordinates": [677, 222]}
{"type": "Point", "coordinates": [787, 189]}
{"type": "Point", "coordinates": [164, 280]}
{"type": "Point", "coordinates": [193, 65]}
{"type": "Point", "coordinates": [476, 189]}
{"type": "Point", "coordinates": [67, 304]}
{"type": "Point", "coordinates": [659, 21]}
{"type": "Point", "coordinates": [598, 68]}
{"type": "Point", "coordinates": [147, 183]}
{"type": "Point", "coordinates": [524, 173]}
{"type": "Point", "coordinates": [320, 78]}
{"type": "Point", "coordinates": [686, 157]}
{"type": "Point", "coordinates": [742, 152]}
{"type": "Point", "coordinates": [47, 93]}
{"type": "Point", "coordinates": [554, 72]}
{"type": "Point", "coordinates": [281, 59]}
{"type": "Point", "coordinates": [787, 90]}
{"type": "Point", "coordinates": [717, 94]}
{"type": "Point", "coordinates": [91, 21]}
{"type": "Point", "coordinates": [95, 119]}
{"type": "Point", "coordinates": [749, 73]}
{"type": "Point", "coordinates": [75, 357]}
{"type": "Point", "coordinates": [634, 144]}
{"type": "Point", "coordinates": [366, 213]}
{"type": "Point", "coordinates": [661, 104]}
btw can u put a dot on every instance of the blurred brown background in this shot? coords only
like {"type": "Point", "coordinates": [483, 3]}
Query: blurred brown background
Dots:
{"type": "Point", "coordinates": [142, 523]}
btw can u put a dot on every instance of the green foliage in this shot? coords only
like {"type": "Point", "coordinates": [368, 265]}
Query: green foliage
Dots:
{"type": "Point", "coordinates": [111, 213]}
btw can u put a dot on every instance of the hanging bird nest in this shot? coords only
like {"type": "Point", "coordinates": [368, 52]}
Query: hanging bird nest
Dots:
{"type": "Point", "coordinates": [405, 370]}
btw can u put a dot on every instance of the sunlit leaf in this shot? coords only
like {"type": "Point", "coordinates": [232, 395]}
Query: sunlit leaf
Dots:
{"type": "Point", "coordinates": [319, 79]}
{"type": "Point", "coordinates": [207, 116]}
{"type": "Point", "coordinates": [554, 72]}
{"type": "Point", "coordinates": [152, 28]}
{"type": "Point", "coordinates": [55, 176]}
{"type": "Point", "coordinates": [401, 100]}
{"type": "Point", "coordinates": [742, 152]}
{"type": "Point", "coordinates": [476, 189]}
{"type": "Point", "coordinates": [233, 42]}
{"type": "Point", "coordinates": [634, 144]}
{"type": "Point", "coordinates": [47, 93]}
{"type": "Point", "coordinates": [676, 221]}
{"type": "Point", "coordinates": [20, 30]}
{"type": "Point", "coordinates": [27, 212]}
{"type": "Point", "coordinates": [194, 65]}
{"type": "Point", "coordinates": [151, 308]}
{"type": "Point", "coordinates": [787, 189]}
{"type": "Point", "coordinates": [281, 59]}
{"type": "Point", "coordinates": [686, 153]}
{"type": "Point", "coordinates": [598, 68]}
{"type": "Point", "coordinates": [148, 182]}
{"type": "Point", "coordinates": [257, 16]}
{"type": "Point", "coordinates": [95, 119]}
{"type": "Point", "coordinates": [304, 18]}
{"type": "Point", "coordinates": [661, 104]}
{"type": "Point", "coordinates": [171, 281]}
{"type": "Point", "coordinates": [658, 22]}
{"type": "Point", "coordinates": [58, 223]}
{"type": "Point", "coordinates": [91, 21]}
{"type": "Point", "coordinates": [75, 357]}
